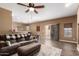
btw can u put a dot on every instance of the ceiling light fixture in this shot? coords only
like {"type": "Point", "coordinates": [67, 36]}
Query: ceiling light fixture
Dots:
{"type": "Point", "coordinates": [68, 4]}
{"type": "Point", "coordinates": [31, 9]}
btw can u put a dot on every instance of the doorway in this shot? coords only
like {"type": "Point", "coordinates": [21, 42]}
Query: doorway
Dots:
{"type": "Point", "coordinates": [54, 32]}
{"type": "Point", "coordinates": [47, 32]}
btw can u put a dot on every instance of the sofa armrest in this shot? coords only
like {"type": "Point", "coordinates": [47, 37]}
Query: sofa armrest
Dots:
{"type": "Point", "coordinates": [9, 48]}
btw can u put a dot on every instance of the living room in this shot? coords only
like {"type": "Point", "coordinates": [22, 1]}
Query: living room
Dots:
{"type": "Point", "coordinates": [39, 29]}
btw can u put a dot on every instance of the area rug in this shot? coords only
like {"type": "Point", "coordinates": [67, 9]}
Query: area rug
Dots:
{"type": "Point", "coordinates": [49, 51]}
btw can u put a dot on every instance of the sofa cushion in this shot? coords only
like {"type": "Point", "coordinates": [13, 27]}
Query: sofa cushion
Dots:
{"type": "Point", "coordinates": [9, 49]}
{"type": "Point", "coordinates": [13, 41]}
{"type": "Point", "coordinates": [25, 35]}
{"type": "Point", "coordinates": [20, 39]}
{"type": "Point", "coordinates": [22, 35]}
{"type": "Point", "coordinates": [8, 37]}
{"type": "Point", "coordinates": [3, 44]}
{"type": "Point", "coordinates": [18, 36]}
{"type": "Point", "coordinates": [23, 42]}
{"type": "Point", "coordinates": [8, 43]}
{"type": "Point", "coordinates": [27, 38]}
{"type": "Point", "coordinates": [13, 36]}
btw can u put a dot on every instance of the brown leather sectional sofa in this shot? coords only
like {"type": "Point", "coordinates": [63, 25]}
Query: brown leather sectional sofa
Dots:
{"type": "Point", "coordinates": [14, 42]}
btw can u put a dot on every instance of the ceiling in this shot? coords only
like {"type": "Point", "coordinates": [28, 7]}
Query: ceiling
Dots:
{"type": "Point", "coordinates": [51, 11]}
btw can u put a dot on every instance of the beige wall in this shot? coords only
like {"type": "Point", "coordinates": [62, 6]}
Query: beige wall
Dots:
{"type": "Point", "coordinates": [78, 24]}
{"type": "Point", "coordinates": [78, 28]}
{"type": "Point", "coordinates": [78, 15]}
{"type": "Point", "coordinates": [61, 22]}
{"type": "Point", "coordinates": [5, 21]}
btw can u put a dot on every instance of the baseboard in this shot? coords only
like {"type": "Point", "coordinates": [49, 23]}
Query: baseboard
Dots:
{"type": "Point", "coordinates": [69, 41]}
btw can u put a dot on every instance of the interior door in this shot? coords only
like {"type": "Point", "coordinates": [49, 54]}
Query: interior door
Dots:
{"type": "Point", "coordinates": [55, 32]}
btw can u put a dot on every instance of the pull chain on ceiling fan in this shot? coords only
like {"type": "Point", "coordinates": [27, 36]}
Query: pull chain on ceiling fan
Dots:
{"type": "Point", "coordinates": [31, 7]}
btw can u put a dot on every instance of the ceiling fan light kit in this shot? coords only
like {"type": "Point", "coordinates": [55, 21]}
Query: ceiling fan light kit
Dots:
{"type": "Point", "coordinates": [31, 7]}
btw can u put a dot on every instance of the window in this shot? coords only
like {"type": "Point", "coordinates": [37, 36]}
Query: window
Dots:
{"type": "Point", "coordinates": [38, 28]}
{"type": "Point", "coordinates": [68, 30]}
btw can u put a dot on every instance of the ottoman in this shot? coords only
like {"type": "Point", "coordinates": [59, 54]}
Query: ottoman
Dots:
{"type": "Point", "coordinates": [29, 50]}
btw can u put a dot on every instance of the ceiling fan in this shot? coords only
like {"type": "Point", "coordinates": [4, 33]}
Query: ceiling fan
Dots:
{"type": "Point", "coordinates": [31, 7]}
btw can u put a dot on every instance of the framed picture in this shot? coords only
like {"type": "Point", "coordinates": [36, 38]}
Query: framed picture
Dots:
{"type": "Point", "coordinates": [38, 28]}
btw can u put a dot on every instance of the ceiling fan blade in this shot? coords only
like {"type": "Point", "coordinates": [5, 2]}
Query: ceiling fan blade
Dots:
{"type": "Point", "coordinates": [27, 10]}
{"type": "Point", "coordinates": [35, 11]}
{"type": "Point", "coordinates": [41, 6]}
{"type": "Point", "coordinates": [21, 4]}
